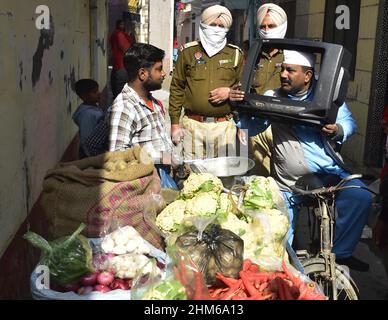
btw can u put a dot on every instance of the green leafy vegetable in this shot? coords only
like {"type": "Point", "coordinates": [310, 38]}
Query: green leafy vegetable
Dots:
{"type": "Point", "coordinates": [241, 232]}
{"type": "Point", "coordinates": [206, 186]}
{"type": "Point", "coordinates": [258, 198]}
{"type": "Point", "coordinates": [68, 258]}
{"type": "Point", "coordinates": [166, 290]}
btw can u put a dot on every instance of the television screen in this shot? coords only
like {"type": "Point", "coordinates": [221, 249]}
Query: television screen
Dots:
{"type": "Point", "coordinates": [330, 84]}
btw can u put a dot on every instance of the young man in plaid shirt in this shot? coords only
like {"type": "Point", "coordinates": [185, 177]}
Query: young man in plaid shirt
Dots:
{"type": "Point", "coordinates": [136, 118]}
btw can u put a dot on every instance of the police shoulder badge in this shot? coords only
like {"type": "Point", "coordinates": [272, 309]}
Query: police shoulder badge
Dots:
{"type": "Point", "coordinates": [198, 55]}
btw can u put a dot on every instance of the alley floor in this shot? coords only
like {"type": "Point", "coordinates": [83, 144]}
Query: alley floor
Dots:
{"type": "Point", "coordinates": [373, 285]}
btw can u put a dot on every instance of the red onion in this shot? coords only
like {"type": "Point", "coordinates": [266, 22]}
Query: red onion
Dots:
{"type": "Point", "coordinates": [89, 279]}
{"type": "Point", "coordinates": [119, 284]}
{"type": "Point", "coordinates": [105, 278]}
{"type": "Point", "coordinates": [101, 288]}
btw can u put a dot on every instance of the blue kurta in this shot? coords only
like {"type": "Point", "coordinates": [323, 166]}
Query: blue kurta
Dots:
{"type": "Point", "coordinates": [299, 150]}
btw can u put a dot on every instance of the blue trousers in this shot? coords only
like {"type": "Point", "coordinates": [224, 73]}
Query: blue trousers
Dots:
{"type": "Point", "coordinates": [353, 207]}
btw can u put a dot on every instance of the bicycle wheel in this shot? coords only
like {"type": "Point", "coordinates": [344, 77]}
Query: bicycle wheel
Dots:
{"type": "Point", "coordinates": [346, 287]}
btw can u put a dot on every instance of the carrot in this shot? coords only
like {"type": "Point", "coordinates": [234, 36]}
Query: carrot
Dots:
{"type": "Point", "coordinates": [248, 284]}
{"type": "Point", "coordinates": [263, 297]}
{"type": "Point", "coordinates": [242, 293]}
{"type": "Point", "coordinates": [217, 292]}
{"type": "Point", "coordinates": [263, 286]}
{"type": "Point", "coordinates": [246, 264]}
{"type": "Point", "coordinates": [180, 272]}
{"type": "Point", "coordinates": [295, 280]}
{"type": "Point", "coordinates": [254, 268]}
{"type": "Point", "coordinates": [257, 284]}
{"type": "Point", "coordinates": [261, 276]}
{"type": "Point", "coordinates": [199, 293]}
{"type": "Point", "coordinates": [228, 281]}
{"type": "Point", "coordinates": [281, 275]}
{"type": "Point", "coordinates": [232, 291]}
{"type": "Point", "coordinates": [256, 297]}
{"type": "Point", "coordinates": [179, 276]}
{"type": "Point", "coordinates": [242, 298]}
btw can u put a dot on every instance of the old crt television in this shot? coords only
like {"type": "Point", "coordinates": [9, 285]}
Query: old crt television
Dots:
{"type": "Point", "coordinates": [330, 89]}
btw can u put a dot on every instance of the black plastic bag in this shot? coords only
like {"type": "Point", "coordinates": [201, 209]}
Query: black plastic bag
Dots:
{"type": "Point", "coordinates": [214, 250]}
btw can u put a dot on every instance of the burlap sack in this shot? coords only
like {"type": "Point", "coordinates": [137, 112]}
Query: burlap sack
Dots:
{"type": "Point", "coordinates": [113, 187]}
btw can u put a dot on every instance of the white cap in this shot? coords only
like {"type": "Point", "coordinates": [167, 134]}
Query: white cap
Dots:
{"type": "Point", "coordinates": [305, 59]}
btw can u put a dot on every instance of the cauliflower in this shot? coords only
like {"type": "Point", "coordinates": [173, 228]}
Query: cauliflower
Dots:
{"type": "Point", "coordinates": [203, 204]}
{"type": "Point", "coordinates": [225, 206]}
{"type": "Point", "coordinates": [263, 193]}
{"type": "Point", "coordinates": [172, 216]}
{"type": "Point", "coordinates": [235, 225]}
{"type": "Point", "coordinates": [274, 224]}
{"type": "Point", "coordinates": [224, 203]}
{"type": "Point", "coordinates": [127, 266]}
{"type": "Point", "coordinates": [246, 231]}
{"type": "Point", "coordinates": [268, 251]}
{"type": "Point", "coordinates": [269, 227]}
{"type": "Point", "coordinates": [196, 181]}
{"type": "Point", "coordinates": [124, 240]}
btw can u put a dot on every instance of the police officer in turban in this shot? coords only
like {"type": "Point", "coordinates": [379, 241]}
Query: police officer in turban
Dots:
{"type": "Point", "coordinates": [203, 76]}
{"type": "Point", "coordinates": [272, 24]}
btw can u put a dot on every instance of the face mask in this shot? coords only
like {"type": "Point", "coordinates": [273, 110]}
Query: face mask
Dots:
{"type": "Point", "coordinates": [274, 33]}
{"type": "Point", "coordinates": [213, 39]}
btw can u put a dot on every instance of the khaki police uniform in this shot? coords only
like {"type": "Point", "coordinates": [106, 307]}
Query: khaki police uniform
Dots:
{"type": "Point", "coordinates": [208, 128]}
{"type": "Point", "coordinates": [267, 77]}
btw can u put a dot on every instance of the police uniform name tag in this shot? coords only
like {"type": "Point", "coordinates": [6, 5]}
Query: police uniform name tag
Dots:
{"type": "Point", "coordinates": [278, 65]}
{"type": "Point", "coordinates": [222, 62]}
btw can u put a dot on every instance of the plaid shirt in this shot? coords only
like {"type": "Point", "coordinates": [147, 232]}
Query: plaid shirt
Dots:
{"type": "Point", "coordinates": [133, 123]}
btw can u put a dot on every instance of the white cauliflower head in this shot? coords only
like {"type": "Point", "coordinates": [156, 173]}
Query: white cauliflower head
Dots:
{"type": "Point", "coordinates": [274, 224]}
{"type": "Point", "coordinates": [172, 216]}
{"type": "Point", "coordinates": [203, 204]}
{"type": "Point", "coordinates": [197, 180]}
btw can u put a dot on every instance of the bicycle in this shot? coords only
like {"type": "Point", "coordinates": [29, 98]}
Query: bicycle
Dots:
{"type": "Point", "coordinates": [316, 192]}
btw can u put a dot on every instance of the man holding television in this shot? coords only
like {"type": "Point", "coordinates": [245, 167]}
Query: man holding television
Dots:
{"type": "Point", "coordinates": [299, 150]}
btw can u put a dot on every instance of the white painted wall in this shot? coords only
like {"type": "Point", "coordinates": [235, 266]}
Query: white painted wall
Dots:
{"type": "Point", "coordinates": [35, 118]}
{"type": "Point", "coordinates": [161, 28]}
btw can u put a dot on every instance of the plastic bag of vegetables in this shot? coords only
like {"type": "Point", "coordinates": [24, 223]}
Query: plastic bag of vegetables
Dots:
{"type": "Point", "coordinates": [68, 258]}
{"type": "Point", "coordinates": [154, 286]}
{"type": "Point", "coordinates": [182, 281]}
{"type": "Point", "coordinates": [213, 250]}
{"type": "Point", "coordinates": [264, 203]}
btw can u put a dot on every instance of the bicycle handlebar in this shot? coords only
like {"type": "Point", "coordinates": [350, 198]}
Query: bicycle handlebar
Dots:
{"type": "Point", "coordinates": [332, 189]}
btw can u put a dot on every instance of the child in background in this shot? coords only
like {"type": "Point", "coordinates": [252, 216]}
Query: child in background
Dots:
{"type": "Point", "coordinates": [89, 113]}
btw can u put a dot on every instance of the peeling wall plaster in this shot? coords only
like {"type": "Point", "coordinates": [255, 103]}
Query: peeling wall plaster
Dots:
{"type": "Point", "coordinates": [38, 69]}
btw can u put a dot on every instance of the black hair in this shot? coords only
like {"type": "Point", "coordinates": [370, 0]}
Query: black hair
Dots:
{"type": "Point", "coordinates": [118, 22]}
{"type": "Point", "coordinates": [305, 69]}
{"type": "Point", "coordinates": [246, 43]}
{"type": "Point", "coordinates": [84, 86]}
{"type": "Point", "coordinates": [141, 55]}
